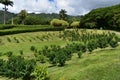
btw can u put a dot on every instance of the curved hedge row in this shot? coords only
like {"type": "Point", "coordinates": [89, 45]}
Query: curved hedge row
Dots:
{"type": "Point", "coordinates": [18, 29]}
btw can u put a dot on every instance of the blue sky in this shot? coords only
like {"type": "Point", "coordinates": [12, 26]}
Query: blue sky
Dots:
{"type": "Point", "coordinates": [73, 7]}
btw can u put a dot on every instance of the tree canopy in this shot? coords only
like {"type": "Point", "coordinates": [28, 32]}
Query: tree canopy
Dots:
{"type": "Point", "coordinates": [106, 18]}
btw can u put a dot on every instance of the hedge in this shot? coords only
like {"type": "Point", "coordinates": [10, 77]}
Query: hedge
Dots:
{"type": "Point", "coordinates": [2, 27]}
{"type": "Point", "coordinates": [17, 30]}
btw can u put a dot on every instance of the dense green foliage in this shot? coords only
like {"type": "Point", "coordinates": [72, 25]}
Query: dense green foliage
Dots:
{"type": "Point", "coordinates": [35, 19]}
{"type": "Point", "coordinates": [22, 16]}
{"type": "Point", "coordinates": [75, 24]}
{"type": "Point", "coordinates": [81, 43]}
{"type": "Point", "coordinates": [15, 29]}
{"type": "Point", "coordinates": [16, 67]}
{"type": "Point", "coordinates": [6, 3]}
{"type": "Point", "coordinates": [106, 18]}
{"type": "Point", "coordinates": [63, 14]}
{"type": "Point", "coordinates": [58, 23]}
{"type": "Point", "coordinates": [8, 16]}
{"type": "Point", "coordinates": [40, 73]}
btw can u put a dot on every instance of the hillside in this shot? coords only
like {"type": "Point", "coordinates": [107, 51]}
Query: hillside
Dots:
{"type": "Point", "coordinates": [42, 16]}
{"type": "Point", "coordinates": [101, 64]}
{"type": "Point", "coordinates": [106, 18]}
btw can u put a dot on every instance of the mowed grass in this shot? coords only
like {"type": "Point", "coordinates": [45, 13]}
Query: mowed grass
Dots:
{"type": "Point", "coordinates": [24, 41]}
{"type": "Point", "coordinates": [100, 65]}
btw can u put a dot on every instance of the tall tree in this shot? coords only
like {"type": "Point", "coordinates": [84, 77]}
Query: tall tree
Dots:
{"type": "Point", "coordinates": [63, 14]}
{"type": "Point", "coordinates": [22, 16]}
{"type": "Point", "coordinates": [6, 3]}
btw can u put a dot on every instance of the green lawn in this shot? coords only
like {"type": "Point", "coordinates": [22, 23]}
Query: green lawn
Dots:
{"type": "Point", "coordinates": [100, 65]}
{"type": "Point", "coordinates": [24, 41]}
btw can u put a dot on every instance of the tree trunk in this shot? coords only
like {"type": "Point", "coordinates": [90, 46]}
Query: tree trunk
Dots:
{"type": "Point", "coordinates": [5, 14]}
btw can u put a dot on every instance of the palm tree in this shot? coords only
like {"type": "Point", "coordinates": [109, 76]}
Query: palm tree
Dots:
{"type": "Point", "coordinates": [63, 15]}
{"type": "Point", "coordinates": [6, 3]}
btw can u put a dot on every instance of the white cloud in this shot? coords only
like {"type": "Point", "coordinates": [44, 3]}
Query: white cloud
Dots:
{"type": "Point", "coordinates": [73, 7]}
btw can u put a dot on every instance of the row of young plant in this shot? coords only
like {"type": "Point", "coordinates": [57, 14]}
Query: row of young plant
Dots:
{"type": "Point", "coordinates": [45, 37]}
{"type": "Point", "coordinates": [57, 55]}
{"type": "Point", "coordinates": [86, 36]}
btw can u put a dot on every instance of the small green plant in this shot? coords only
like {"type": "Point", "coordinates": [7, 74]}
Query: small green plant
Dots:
{"type": "Point", "coordinates": [9, 40]}
{"type": "Point", "coordinates": [113, 43]}
{"type": "Point", "coordinates": [21, 52]}
{"type": "Point", "coordinates": [41, 58]}
{"type": "Point", "coordinates": [40, 73]}
{"type": "Point", "coordinates": [32, 48]}
{"type": "Point", "coordinates": [79, 54]}
{"type": "Point", "coordinates": [9, 54]}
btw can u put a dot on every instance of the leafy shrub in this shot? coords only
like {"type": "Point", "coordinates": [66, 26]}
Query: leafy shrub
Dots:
{"type": "Point", "coordinates": [61, 57]}
{"type": "Point", "coordinates": [91, 45]}
{"type": "Point", "coordinates": [75, 24]}
{"type": "Point", "coordinates": [32, 48]}
{"type": "Point", "coordinates": [57, 23]}
{"type": "Point", "coordinates": [21, 52]}
{"type": "Point", "coordinates": [79, 54]}
{"type": "Point", "coordinates": [41, 58]}
{"type": "Point", "coordinates": [40, 73]}
{"type": "Point", "coordinates": [9, 54]}
{"type": "Point", "coordinates": [113, 43]}
{"type": "Point", "coordinates": [102, 42]}
{"type": "Point", "coordinates": [16, 67]}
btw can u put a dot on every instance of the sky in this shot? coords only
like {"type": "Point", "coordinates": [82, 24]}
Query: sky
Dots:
{"type": "Point", "coordinates": [73, 7]}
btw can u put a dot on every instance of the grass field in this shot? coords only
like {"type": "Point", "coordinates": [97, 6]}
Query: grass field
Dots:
{"type": "Point", "coordinates": [102, 64]}
{"type": "Point", "coordinates": [24, 41]}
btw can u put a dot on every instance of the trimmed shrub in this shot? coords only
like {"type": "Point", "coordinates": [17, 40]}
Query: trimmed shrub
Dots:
{"type": "Point", "coordinates": [17, 31]}
{"type": "Point", "coordinates": [3, 27]}
{"type": "Point", "coordinates": [57, 23]}
{"type": "Point", "coordinates": [65, 23]}
{"type": "Point", "coordinates": [75, 24]}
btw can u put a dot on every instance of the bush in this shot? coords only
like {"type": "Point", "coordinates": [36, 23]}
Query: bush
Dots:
{"type": "Point", "coordinates": [91, 45]}
{"type": "Point", "coordinates": [9, 54]}
{"type": "Point", "coordinates": [16, 31]}
{"type": "Point", "coordinates": [75, 24]}
{"type": "Point", "coordinates": [41, 58]}
{"type": "Point", "coordinates": [102, 42]}
{"type": "Point", "coordinates": [79, 54]}
{"type": "Point", "coordinates": [57, 23]}
{"type": "Point", "coordinates": [61, 57]}
{"type": "Point", "coordinates": [40, 73]}
{"type": "Point", "coordinates": [32, 48]}
{"type": "Point", "coordinates": [16, 67]}
{"type": "Point", "coordinates": [3, 27]}
{"type": "Point", "coordinates": [21, 52]}
{"type": "Point", "coordinates": [113, 43]}
{"type": "Point", "coordinates": [35, 20]}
